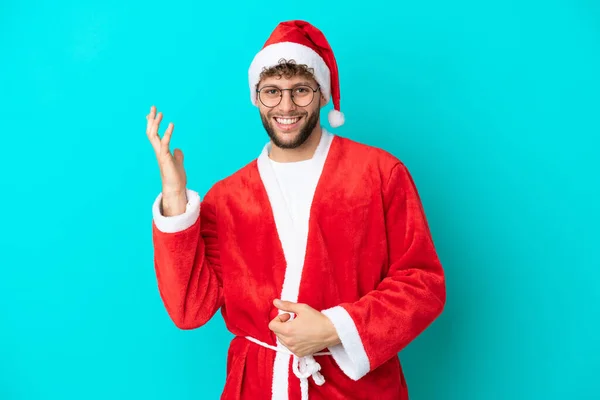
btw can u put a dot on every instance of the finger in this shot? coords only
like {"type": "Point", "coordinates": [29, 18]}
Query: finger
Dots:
{"type": "Point", "coordinates": [284, 317]}
{"type": "Point", "coordinates": [288, 306]}
{"type": "Point", "coordinates": [283, 341]}
{"type": "Point", "coordinates": [166, 140]}
{"type": "Point", "coordinates": [278, 325]}
{"type": "Point", "coordinates": [290, 345]}
{"type": "Point", "coordinates": [156, 124]}
{"type": "Point", "coordinates": [274, 326]}
{"type": "Point", "coordinates": [154, 139]}
{"type": "Point", "coordinates": [154, 134]}
{"type": "Point", "coordinates": [178, 156]}
{"type": "Point", "coordinates": [155, 145]}
{"type": "Point", "coordinates": [150, 119]}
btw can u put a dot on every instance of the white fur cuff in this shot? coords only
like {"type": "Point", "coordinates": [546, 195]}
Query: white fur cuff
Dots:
{"type": "Point", "coordinates": [180, 222]}
{"type": "Point", "coordinates": [350, 355]}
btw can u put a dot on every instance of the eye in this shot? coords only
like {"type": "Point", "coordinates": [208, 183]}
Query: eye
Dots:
{"type": "Point", "coordinates": [270, 91]}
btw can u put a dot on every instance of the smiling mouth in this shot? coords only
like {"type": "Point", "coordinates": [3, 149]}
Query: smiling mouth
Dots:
{"type": "Point", "coordinates": [287, 123]}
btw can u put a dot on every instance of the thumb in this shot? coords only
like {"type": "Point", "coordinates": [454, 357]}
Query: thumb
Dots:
{"type": "Point", "coordinates": [287, 306]}
{"type": "Point", "coordinates": [178, 156]}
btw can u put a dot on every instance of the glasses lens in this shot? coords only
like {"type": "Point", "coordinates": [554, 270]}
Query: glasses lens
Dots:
{"type": "Point", "coordinates": [270, 96]}
{"type": "Point", "coordinates": [302, 95]}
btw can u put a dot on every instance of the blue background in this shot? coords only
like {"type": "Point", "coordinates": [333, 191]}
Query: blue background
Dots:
{"type": "Point", "coordinates": [494, 107]}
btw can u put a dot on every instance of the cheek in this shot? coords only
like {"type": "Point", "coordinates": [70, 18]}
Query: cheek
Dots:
{"type": "Point", "coordinates": [316, 110]}
{"type": "Point", "coordinates": [264, 113]}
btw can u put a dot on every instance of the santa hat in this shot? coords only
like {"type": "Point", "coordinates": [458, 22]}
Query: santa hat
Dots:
{"type": "Point", "coordinates": [305, 44]}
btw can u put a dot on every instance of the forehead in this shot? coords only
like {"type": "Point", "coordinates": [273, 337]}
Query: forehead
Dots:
{"type": "Point", "coordinates": [284, 82]}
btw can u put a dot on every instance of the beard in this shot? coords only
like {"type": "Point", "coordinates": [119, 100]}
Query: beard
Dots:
{"type": "Point", "coordinates": [298, 139]}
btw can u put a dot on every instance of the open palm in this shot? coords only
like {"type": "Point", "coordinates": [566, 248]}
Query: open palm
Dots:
{"type": "Point", "coordinates": [170, 164]}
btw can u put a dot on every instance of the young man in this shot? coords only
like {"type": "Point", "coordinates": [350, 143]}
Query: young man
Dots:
{"type": "Point", "coordinates": [317, 253]}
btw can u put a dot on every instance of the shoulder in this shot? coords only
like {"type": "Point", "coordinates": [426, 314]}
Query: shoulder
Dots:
{"type": "Point", "coordinates": [392, 176]}
{"type": "Point", "coordinates": [373, 158]}
{"type": "Point", "coordinates": [234, 182]}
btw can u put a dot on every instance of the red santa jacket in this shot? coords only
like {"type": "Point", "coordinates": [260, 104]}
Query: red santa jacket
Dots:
{"type": "Point", "coordinates": [363, 255]}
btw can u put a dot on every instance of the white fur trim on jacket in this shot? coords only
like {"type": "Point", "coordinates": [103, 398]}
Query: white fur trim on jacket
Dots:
{"type": "Point", "coordinates": [350, 355]}
{"type": "Point", "coordinates": [294, 237]}
{"type": "Point", "coordinates": [179, 222]}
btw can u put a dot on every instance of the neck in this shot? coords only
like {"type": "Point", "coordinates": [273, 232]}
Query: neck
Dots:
{"type": "Point", "coordinates": [304, 152]}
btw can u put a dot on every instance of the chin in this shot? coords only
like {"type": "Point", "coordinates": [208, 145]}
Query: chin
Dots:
{"type": "Point", "coordinates": [287, 140]}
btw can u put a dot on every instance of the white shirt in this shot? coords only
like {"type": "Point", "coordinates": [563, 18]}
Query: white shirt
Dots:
{"type": "Point", "coordinates": [296, 182]}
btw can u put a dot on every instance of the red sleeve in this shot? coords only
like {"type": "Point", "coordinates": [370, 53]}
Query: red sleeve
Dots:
{"type": "Point", "coordinates": [411, 296]}
{"type": "Point", "coordinates": [186, 261]}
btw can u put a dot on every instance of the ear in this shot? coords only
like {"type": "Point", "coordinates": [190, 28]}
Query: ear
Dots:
{"type": "Point", "coordinates": [323, 101]}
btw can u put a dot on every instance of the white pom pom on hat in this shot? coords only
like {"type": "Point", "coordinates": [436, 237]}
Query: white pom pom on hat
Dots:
{"type": "Point", "coordinates": [336, 118]}
{"type": "Point", "coordinates": [305, 44]}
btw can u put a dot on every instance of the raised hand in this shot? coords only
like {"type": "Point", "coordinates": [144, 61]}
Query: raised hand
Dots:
{"type": "Point", "coordinates": [171, 168]}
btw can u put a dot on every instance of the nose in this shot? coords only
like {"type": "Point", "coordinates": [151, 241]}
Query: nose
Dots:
{"type": "Point", "coordinates": [286, 103]}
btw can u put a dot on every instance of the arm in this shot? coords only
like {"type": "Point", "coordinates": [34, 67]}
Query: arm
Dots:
{"type": "Point", "coordinates": [186, 261]}
{"type": "Point", "coordinates": [375, 328]}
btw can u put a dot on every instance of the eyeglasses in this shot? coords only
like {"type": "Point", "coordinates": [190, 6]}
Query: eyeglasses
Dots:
{"type": "Point", "coordinates": [271, 96]}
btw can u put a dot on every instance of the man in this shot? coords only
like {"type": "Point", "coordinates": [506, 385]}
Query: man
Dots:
{"type": "Point", "coordinates": [317, 253]}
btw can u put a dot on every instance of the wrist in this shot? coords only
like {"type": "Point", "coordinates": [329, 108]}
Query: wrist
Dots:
{"type": "Point", "coordinates": [173, 203]}
{"type": "Point", "coordinates": [331, 335]}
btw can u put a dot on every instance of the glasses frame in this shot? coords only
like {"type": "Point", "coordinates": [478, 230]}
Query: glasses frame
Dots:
{"type": "Point", "coordinates": [291, 94]}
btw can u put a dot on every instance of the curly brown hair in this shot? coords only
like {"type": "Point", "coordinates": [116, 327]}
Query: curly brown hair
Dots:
{"type": "Point", "coordinates": [288, 69]}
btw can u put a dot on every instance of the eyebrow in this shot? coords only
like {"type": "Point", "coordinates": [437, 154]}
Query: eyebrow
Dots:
{"type": "Point", "coordinates": [303, 83]}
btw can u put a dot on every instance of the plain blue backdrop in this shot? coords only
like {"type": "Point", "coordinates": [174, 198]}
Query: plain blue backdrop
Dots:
{"type": "Point", "coordinates": [494, 107]}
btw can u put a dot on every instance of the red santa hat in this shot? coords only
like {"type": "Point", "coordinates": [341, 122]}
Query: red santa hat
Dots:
{"type": "Point", "coordinates": [305, 44]}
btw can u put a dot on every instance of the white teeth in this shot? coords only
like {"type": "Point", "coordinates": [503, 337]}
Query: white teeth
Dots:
{"type": "Point", "coordinates": [287, 121]}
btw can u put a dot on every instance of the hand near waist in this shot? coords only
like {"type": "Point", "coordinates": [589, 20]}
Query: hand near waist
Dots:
{"type": "Point", "coordinates": [309, 332]}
